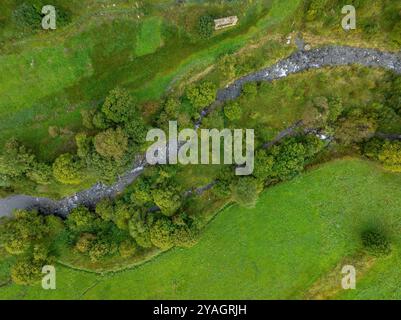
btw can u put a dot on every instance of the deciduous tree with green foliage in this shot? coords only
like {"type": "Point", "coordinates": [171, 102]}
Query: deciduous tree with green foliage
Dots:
{"type": "Point", "coordinates": [202, 95]}
{"type": "Point", "coordinates": [118, 105]}
{"type": "Point", "coordinates": [390, 156]}
{"type": "Point", "coordinates": [112, 143]}
{"type": "Point", "coordinates": [68, 169]}
{"type": "Point", "coordinates": [233, 110]}
{"type": "Point", "coordinates": [245, 191]}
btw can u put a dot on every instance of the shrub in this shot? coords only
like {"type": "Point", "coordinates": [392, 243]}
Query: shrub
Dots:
{"type": "Point", "coordinates": [40, 173]}
{"type": "Point", "coordinates": [245, 191]}
{"type": "Point", "coordinates": [139, 228]}
{"type": "Point", "coordinates": [162, 233]}
{"type": "Point", "coordinates": [15, 160]}
{"type": "Point", "coordinates": [127, 248]}
{"type": "Point", "coordinates": [111, 143]}
{"type": "Point", "coordinates": [375, 242]}
{"type": "Point", "coordinates": [99, 250]}
{"type": "Point", "coordinates": [67, 169]}
{"type": "Point", "coordinates": [201, 96]}
{"type": "Point", "coordinates": [81, 219]}
{"type": "Point", "coordinates": [27, 16]}
{"type": "Point", "coordinates": [390, 156]}
{"type": "Point", "coordinates": [206, 26]}
{"type": "Point", "coordinates": [118, 105]}
{"type": "Point", "coordinates": [167, 198]}
{"type": "Point", "coordinates": [250, 90]}
{"type": "Point", "coordinates": [185, 236]}
{"type": "Point", "coordinates": [84, 242]}
{"type": "Point", "coordinates": [232, 110]}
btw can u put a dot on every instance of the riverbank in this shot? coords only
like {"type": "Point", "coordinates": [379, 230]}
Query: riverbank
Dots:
{"type": "Point", "coordinates": [298, 62]}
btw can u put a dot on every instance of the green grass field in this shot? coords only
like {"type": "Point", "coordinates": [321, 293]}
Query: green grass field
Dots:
{"type": "Point", "coordinates": [298, 232]}
{"type": "Point", "coordinates": [48, 78]}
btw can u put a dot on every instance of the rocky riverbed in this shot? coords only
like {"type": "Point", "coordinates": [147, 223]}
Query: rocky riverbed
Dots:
{"type": "Point", "coordinates": [297, 62]}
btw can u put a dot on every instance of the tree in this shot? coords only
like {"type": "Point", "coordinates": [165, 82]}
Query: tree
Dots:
{"type": "Point", "coordinates": [185, 236]}
{"type": "Point", "coordinates": [81, 220]}
{"type": "Point", "coordinates": [139, 228]}
{"type": "Point", "coordinates": [390, 156]}
{"type": "Point", "coordinates": [20, 232]}
{"type": "Point", "coordinates": [40, 173]}
{"type": "Point", "coordinates": [167, 198]}
{"type": "Point", "coordinates": [83, 143]}
{"type": "Point", "coordinates": [375, 242]}
{"type": "Point", "coordinates": [136, 129]}
{"type": "Point", "coordinates": [112, 143]}
{"type": "Point", "coordinates": [100, 121]}
{"type": "Point", "coordinates": [206, 26]}
{"type": "Point", "coordinates": [26, 272]}
{"type": "Point", "coordinates": [68, 169]}
{"type": "Point", "coordinates": [245, 191]}
{"type": "Point", "coordinates": [105, 209]}
{"type": "Point", "coordinates": [141, 194]}
{"type": "Point", "coordinates": [225, 177]}
{"type": "Point", "coordinates": [27, 16]}
{"type": "Point", "coordinates": [162, 233]}
{"type": "Point", "coordinates": [202, 95]}
{"type": "Point", "coordinates": [118, 105]}
{"type": "Point", "coordinates": [15, 160]}
{"type": "Point", "coordinates": [355, 127]}
{"type": "Point", "coordinates": [250, 90]}
{"type": "Point", "coordinates": [232, 110]}
{"type": "Point", "coordinates": [84, 243]}
{"type": "Point", "coordinates": [127, 248]}
{"type": "Point", "coordinates": [263, 165]}
{"type": "Point", "coordinates": [122, 215]}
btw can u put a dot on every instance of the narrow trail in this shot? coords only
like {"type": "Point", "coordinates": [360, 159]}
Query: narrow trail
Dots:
{"type": "Point", "coordinates": [297, 62]}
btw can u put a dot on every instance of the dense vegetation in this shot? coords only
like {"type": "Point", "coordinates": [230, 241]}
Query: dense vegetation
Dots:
{"type": "Point", "coordinates": [298, 232]}
{"type": "Point", "coordinates": [100, 119]}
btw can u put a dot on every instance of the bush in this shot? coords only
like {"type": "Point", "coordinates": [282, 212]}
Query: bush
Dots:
{"type": "Point", "coordinates": [127, 248]}
{"type": "Point", "coordinates": [167, 198]}
{"type": "Point", "coordinates": [40, 173]}
{"type": "Point", "coordinates": [67, 169]}
{"type": "Point", "coordinates": [81, 220]}
{"type": "Point", "coordinates": [111, 143]}
{"type": "Point", "coordinates": [27, 16]}
{"type": "Point", "coordinates": [201, 96]}
{"type": "Point", "coordinates": [85, 242]}
{"type": "Point", "coordinates": [118, 105]}
{"type": "Point", "coordinates": [390, 156]}
{"type": "Point", "coordinates": [26, 272]}
{"type": "Point", "coordinates": [99, 250]}
{"type": "Point", "coordinates": [139, 228]}
{"type": "Point", "coordinates": [250, 90]}
{"type": "Point", "coordinates": [206, 26]}
{"type": "Point", "coordinates": [245, 191]}
{"type": "Point", "coordinates": [162, 233]}
{"type": "Point", "coordinates": [375, 242]}
{"type": "Point", "coordinates": [233, 110]}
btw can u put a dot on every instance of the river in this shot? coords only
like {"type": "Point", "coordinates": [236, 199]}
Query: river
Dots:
{"type": "Point", "coordinates": [297, 62]}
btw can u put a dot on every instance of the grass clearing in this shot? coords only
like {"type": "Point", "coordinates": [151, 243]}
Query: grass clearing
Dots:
{"type": "Point", "coordinates": [298, 232]}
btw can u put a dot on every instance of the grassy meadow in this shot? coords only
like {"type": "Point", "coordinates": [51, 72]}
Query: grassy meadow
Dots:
{"type": "Point", "coordinates": [298, 233]}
